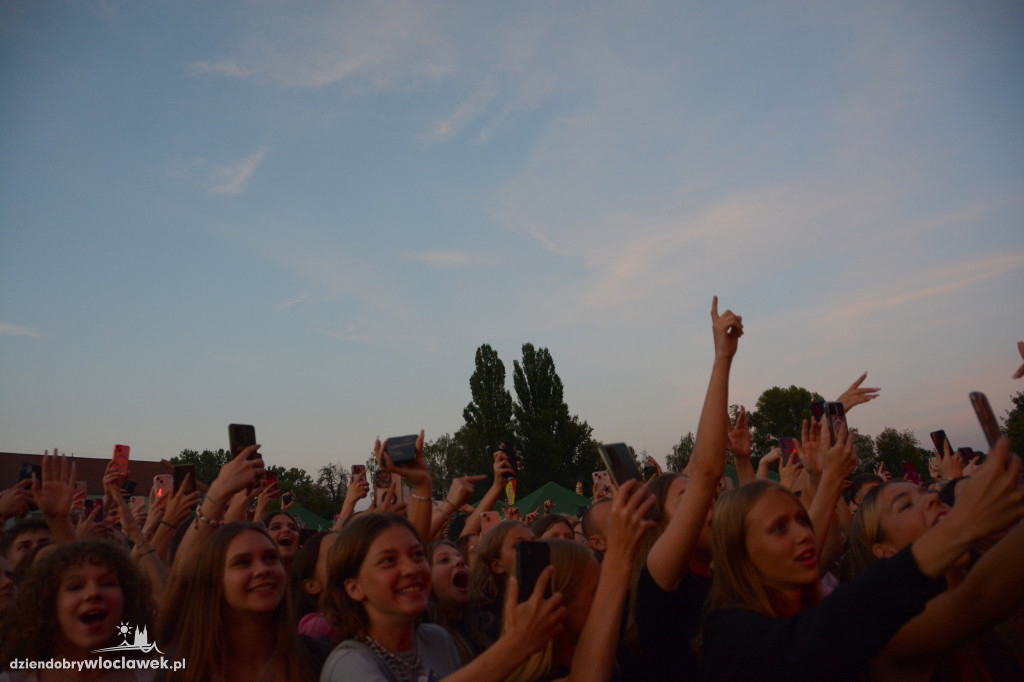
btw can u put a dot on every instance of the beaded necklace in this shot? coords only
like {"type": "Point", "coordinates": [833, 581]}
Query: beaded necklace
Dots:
{"type": "Point", "coordinates": [402, 667]}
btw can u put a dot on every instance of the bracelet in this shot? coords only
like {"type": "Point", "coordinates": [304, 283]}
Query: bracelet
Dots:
{"type": "Point", "coordinates": [171, 526]}
{"type": "Point", "coordinates": [422, 498]}
{"type": "Point", "coordinates": [147, 552]}
{"type": "Point", "coordinates": [210, 522]}
{"type": "Point", "coordinates": [213, 499]}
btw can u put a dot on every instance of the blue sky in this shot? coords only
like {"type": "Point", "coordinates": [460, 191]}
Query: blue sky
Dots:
{"type": "Point", "coordinates": [307, 216]}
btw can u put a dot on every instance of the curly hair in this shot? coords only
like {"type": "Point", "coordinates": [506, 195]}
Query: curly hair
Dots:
{"type": "Point", "coordinates": [28, 631]}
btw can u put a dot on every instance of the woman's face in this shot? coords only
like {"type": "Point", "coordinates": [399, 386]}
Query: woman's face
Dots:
{"type": "Point", "coordinates": [780, 543]}
{"type": "Point", "coordinates": [506, 564]}
{"type": "Point", "coordinates": [254, 580]}
{"type": "Point", "coordinates": [394, 578]}
{"type": "Point", "coordinates": [559, 530]}
{"type": "Point", "coordinates": [89, 608]}
{"type": "Point", "coordinates": [285, 533]}
{"type": "Point", "coordinates": [906, 512]}
{"type": "Point", "coordinates": [449, 576]}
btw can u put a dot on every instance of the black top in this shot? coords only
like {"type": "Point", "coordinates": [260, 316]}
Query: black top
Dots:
{"type": "Point", "coordinates": [832, 641]}
{"type": "Point", "coordinates": [667, 623]}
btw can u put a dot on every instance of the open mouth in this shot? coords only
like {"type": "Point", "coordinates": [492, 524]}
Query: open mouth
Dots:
{"type": "Point", "coordinates": [461, 580]}
{"type": "Point", "coordinates": [285, 541]}
{"type": "Point", "coordinates": [808, 557]}
{"type": "Point", "coordinates": [93, 617]}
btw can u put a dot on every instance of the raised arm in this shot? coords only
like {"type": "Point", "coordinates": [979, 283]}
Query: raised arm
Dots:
{"type": "Point", "coordinates": [55, 495]}
{"type": "Point", "coordinates": [418, 475]}
{"type": "Point", "coordinates": [502, 469]}
{"type": "Point", "coordinates": [738, 443]}
{"type": "Point", "coordinates": [837, 462]}
{"type": "Point", "coordinates": [670, 556]}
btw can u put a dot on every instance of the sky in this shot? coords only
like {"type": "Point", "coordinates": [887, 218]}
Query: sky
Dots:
{"type": "Point", "coordinates": [308, 216]}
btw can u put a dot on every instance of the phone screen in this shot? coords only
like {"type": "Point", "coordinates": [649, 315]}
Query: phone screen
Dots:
{"type": "Point", "coordinates": [939, 440]}
{"type": "Point", "coordinates": [788, 448]}
{"type": "Point", "coordinates": [401, 449]}
{"type": "Point", "coordinates": [182, 470]}
{"type": "Point", "coordinates": [241, 436]}
{"type": "Point", "coordinates": [531, 560]}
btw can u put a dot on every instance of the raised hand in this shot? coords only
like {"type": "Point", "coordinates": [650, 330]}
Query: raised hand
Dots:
{"type": "Point", "coordinates": [790, 472]}
{"type": "Point", "coordinates": [15, 500]}
{"type": "Point", "coordinates": [56, 493]}
{"type": "Point", "coordinates": [416, 472]}
{"type": "Point", "coordinates": [811, 444]}
{"type": "Point", "coordinates": [737, 436]}
{"type": "Point", "coordinates": [727, 329]}
{"type": "Point", "coordinates": [627, 523]}
{"type": "Point", "coordinates": [774, 455]}
{"type": "Point", "coordinates": [536, 621]}
{"type": "Point", "coordinates": [838, 459]}
{"type": "Point", "coordinates": [951, 464]}
{"type": "Point", "coordinates": [461, 490]}
{"type": "Point", "coordinates": [855, 395]}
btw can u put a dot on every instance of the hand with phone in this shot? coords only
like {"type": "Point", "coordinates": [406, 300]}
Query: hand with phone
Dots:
{"type": "Point", "coordinates": [950, 463]}
{"type": "Point", "coordinates": [627, 524]}
{"type": "Point", "coordinates": [15, 500]}
{"type": "Point", "coordinates": [789, 473]}
{"type": "Point", "coordinates": [532, 623]}
{"type": "Point", "coordinates": [413, 469]}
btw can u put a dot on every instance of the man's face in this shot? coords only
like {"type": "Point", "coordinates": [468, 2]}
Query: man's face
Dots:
{"type": "Point", "coordinates": [26, 542]}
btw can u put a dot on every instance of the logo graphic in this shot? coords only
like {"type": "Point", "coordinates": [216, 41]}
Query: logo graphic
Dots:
{"type": "Point", "coordinates": [141, 642]}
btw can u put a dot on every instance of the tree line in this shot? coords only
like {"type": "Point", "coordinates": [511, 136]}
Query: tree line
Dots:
{"type": "Point", "coordinates": [553, 444]}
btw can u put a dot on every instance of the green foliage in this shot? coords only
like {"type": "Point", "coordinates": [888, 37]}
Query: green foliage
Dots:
{"type": "Point", "coordinates": [207, 462]}
{"type": "Point", "coordinates": [896, 447]}
{"type": "Point", "coordinates": [1013, 423]}
{"type": "Point", "coordinates": [553, 445]}
{"type": "Point", "coordinates": [779, 413]}
{"type": "Point", "coordinates": [332, 479]}
{"type": "Point", "coordinates": [488, 417]}
{"type": "Point", "coordinates": [680, 455]}
{"type": "Point", "coordinates": [866, 456]}
{"type": "Point", "coordinates": [440, 454]}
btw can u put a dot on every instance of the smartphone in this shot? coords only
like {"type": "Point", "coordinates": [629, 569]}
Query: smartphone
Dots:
{"type": "Point", "coordinates": [836, 418]}
{"type": "Point", "coordinates": [271, 477]}
{"type": "Point", "coordinates": [531, 560]}
{"type": "Point", "coordinates": [619, 463]}
{"type": "Point", "coordinates": [966, 454]}
{"type": "Point", "coordinates": [602, 481]}
{"type": "Point", "coordinates": [987, 418]}
{"type": "Point", "coordinates": [381, 486]}
{"type": "Point", "coordinates": [513, 461]}
{"type": "Point", "coordinates": [401, 449]}
{"type": "Point", "coordinates": [788, 447]}
{"type": "Point", "coordinates": [286, 498]}
{"type": "Point", "coordinates": [488, 520]}
{"type": "Point", "coordinates": [358, 473]}
{"type": "Point", "coordinates": [129, 487]}
{"type": "Point", "coordinates": [180, 472]}
{"type": "Point", "coordinates": [818, 409]}
{"type": "Point", "coordinates": [27, 471]}
{"type": "Point", "coordinates": [89, 505]}
{"type": "Point", "coordinates": [910, 471]}
{"type": "Point", "coordinates": [138, 504]}
{"type": "Point", "coordinates": [83, 488]}
{"type": "Point", "coordinates": [241, 436]}
{"type": "Point", "coordinates": [121, 458]}
{"type": "Point", "coordinates": [163, 484]}
{"type": "Point", "coordinates": [939, 440]}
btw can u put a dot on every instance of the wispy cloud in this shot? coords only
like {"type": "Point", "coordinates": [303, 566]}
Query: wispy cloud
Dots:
{"type": "Point", "coordinates": [232, 179]}
{"type": "Point", "coordinates": [8, 329]}
{"type": "Point", "coordinates": [448, 259]}
{"type": "Point", "coordinates": [281, 307]}
{"type": "Point", "coordinates": [222, 68]}
{"type": "Point", "coordinates": [467, 111]}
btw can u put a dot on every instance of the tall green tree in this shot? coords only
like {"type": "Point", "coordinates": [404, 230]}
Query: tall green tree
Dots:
{"type": "Point", "coordinates": [1013, 423]}
{"type": "Point", "coordinates": [553, 444]}
{"type": "Point", "coordinates": [333, 480]}
{"type": "Point", "coordinates": [207, 462]}
{"type": "Point", "coordinates": [866, 456]}
{"type": "Point", "coordinates": [680, 455]}
{"type": "Point", "coordinates": [779, 413]}
{"type": "Point", "coordinates": [896, 447]}
{"type": "Point", "coordinates": [488, 417]}
{"type": "Point", "coordinates": [440, 455]}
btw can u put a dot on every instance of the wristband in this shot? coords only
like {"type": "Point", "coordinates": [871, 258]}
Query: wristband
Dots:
{"type": "Point", "coordinates": [171, 526]}
{"type": "Point", "coordinates": [213, 499]}
{"type": "Point", "coordinates": [422, 498]}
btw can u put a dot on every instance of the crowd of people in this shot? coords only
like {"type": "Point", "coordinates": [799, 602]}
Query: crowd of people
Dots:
{"type": "Point", "coordinates": [816, 577]}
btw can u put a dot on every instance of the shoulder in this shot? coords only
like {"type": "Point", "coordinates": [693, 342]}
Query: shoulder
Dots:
{"type": "Point", "coordinates": [352, 660]}
{"type": "Point", "coordinates": [438, 649]}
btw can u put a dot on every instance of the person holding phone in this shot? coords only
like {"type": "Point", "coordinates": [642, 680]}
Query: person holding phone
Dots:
{"type": "Point", "coordinates": [494, 566]}
{"type": "Point", "coordinates": [765, 590]}
{"type": "Point", "coordinates": [378, 589]}
{"type": "Point", "coordinates": [585, 649]}
{"type": "Point", "coordinates": [896, 514]}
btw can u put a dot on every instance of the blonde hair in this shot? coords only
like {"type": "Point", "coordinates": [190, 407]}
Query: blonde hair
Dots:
{"type": "Point", "coordinates": [486, 586]}
{"type": "Point", "coordinates": [865, 532]}
{"type": "Point", "coordinates": [571, 560]}
{"type": "Point", "coordinates": [736, 582]}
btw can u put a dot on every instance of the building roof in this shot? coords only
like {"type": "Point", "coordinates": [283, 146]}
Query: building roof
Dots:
{"type": "Point", "coordinates": [88, 469]}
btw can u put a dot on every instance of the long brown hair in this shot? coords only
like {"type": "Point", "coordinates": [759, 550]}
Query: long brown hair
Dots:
{"type": "Point", "coordinates": [486, 586]}
{"type": "Point", "coordinates": [736, 582]}
{"type": "Point", "coordinates": [347, 555]}
{"type": "Point", "coordinates": [200, 636]}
